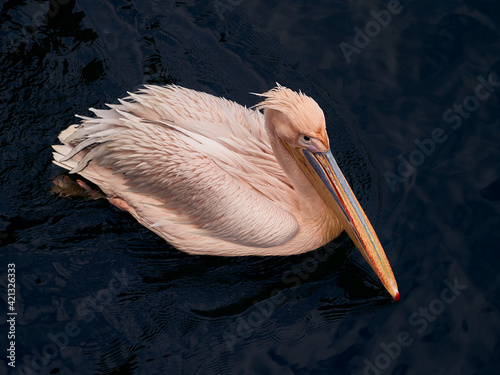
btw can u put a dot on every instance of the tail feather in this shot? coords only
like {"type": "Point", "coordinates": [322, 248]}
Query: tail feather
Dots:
{"type": "Point", "coordinates": [60, 153]}
{"type": "Point", "coordinates": [66, 133]}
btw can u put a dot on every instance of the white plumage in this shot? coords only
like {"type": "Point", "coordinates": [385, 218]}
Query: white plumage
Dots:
{"type": "Point", "coordinates": [213, 177]}
{"type": "Point", "coordinates": [196, 169]}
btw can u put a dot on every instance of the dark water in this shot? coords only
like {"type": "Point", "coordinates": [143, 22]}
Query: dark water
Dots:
{"type": "Point", "coordinates": [411, 124]}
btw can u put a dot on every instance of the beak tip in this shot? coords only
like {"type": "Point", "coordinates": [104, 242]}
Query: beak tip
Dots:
{"type": "Point", "coordinates": [396, 297]}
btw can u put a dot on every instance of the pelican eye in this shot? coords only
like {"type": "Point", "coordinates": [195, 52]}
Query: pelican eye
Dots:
{"type": "Point", "coordinates": [305, 139]}
{"type": "Point", "coordinates": [308, 142]}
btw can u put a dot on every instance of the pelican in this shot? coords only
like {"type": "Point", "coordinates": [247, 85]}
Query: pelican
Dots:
{"type": "Point", "coordinates": [213, 177]}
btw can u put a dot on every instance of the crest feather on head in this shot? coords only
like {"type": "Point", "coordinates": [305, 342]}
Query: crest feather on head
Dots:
{"type": "Point", "coordinates": [303, 111]}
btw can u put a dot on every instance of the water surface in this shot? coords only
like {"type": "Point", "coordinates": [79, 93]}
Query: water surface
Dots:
{"type": "Point", "coordinates": [99, 294]}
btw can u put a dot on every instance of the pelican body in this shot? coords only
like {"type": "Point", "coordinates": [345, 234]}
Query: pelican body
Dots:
{"type": "Point", "coordinates": [213, 177]}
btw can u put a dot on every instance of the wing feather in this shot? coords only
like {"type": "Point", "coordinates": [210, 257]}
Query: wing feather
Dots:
{"type": "Point", "coordinates": [204, 162]}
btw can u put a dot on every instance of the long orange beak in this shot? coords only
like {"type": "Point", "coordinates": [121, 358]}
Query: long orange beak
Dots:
{"type": "Point", "coordinates": [323, 171]}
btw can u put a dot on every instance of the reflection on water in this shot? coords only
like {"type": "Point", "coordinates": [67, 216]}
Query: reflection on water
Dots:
{"type": "Point", "coordinates": [98, 293]}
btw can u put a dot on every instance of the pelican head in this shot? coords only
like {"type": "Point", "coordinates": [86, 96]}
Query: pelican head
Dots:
{"type": "Point", "coordinates": [296, 123]}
